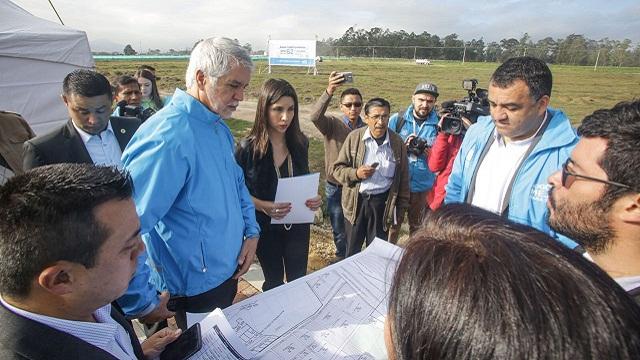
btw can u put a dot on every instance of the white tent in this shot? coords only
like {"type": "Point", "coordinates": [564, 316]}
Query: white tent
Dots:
{"type": "Point", "coordinates": [35, 56]}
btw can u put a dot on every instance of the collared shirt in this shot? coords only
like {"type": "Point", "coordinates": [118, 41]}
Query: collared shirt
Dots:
{"type": "Point", "coordinates": [105, 333]}
{"type": "Point", "coordinates": [628, 283]}
{"type": "Point", "coordinates": [497, 169]}
{"type": "Point", "coordinates": [194, 207]}
{"type": "Point", "coordinates": [103, 148]}
{"type": "Point", "coordinates": [382, 178]}
{"type": "Point", "coordinates": [359, 122]}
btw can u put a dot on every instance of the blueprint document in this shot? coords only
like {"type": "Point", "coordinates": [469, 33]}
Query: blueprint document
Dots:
{"type": "Point", "coordinates": [335, 313]}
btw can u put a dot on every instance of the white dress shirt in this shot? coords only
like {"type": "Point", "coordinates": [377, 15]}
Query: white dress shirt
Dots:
{"type": "Point", "coordinates": [382, 178]}
{"type": "Point", "coordinates": [497, 169]}
{"type": "Point", "coordinates": [106, 333]}
{"type": "Point", "coordinates": [103, 148]}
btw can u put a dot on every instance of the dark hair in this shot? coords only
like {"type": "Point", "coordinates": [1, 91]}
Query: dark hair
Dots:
{"type": "Point", "coordinates": [123, 80]}
{"type": "Point", "coordinates": [46, 215]}
{"type": "Point", "coordinates": [272, 90]}
{"type": "Point", "coordinates": [473, 285]}
{"type": "Point", "coordinates": [376, 102]}
{"type": "Point", "coordinates": [534, 72]}
{"type": "Point", "coordinates": [620, 126]}
{"type": "Point", "coordinates": [149, 75]}
{"type": "Point", "coordinates": [86, 83]}
{"type": "Point", "coordinates": [148, 67]}
{"type": "Point", "coordinates": [350, 91]}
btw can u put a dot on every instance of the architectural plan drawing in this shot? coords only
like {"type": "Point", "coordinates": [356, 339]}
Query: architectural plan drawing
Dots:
{"type": "Point", "coordinates": [335, 313]}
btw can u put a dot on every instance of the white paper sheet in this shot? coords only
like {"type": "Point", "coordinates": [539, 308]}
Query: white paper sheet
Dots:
{"type": "Point", "coordinates": [297, 190]}
{"type": "Point", "coordinates": [219, 341]}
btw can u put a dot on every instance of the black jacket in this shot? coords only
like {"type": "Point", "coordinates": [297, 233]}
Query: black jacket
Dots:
{"type": "Point", "coordinates": [23, 338]}
{"type": "Point", "coordinates": [64, 145]}
{"type": "Point", "coordinates": [260, 174]}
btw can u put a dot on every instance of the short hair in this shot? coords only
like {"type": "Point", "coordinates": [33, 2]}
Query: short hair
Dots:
{"type": "Point", "coordinates": [473, 285]}
{"type": "Point", "coordinates": [620, 126]}
{"type": "Point", "coordinates": [534, 72]}
{"type": "Point", "coordinates": [350, 91]}
{"type": "Point", "coordinates": [376, 102]}
{"type": "Point", "coordinates": [86, 83]}
{"type": "Point", "coordinates": [215, 57]}
{"type": "Point", "coordinates": [123, 80]}
{"type": "Point", "coordinates": [46, 215]}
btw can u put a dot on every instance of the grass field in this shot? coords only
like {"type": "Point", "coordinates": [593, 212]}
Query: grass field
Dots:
{"type": "Point", "coordinates": [577, 90]}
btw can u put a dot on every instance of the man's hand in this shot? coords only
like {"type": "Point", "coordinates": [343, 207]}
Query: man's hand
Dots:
{"type": "Point", "coordinates": [409, 139]}
{"type": "Point", "coordinates": [160, 312]}
{"type": "Point", "coordinates": [365, 171]}
{"type": "Point", "coordinates": [155, 344]}
{"type": "Point", "coordinates": [335, 79]}
{"type": "Point", "coordinates": [247, 254]}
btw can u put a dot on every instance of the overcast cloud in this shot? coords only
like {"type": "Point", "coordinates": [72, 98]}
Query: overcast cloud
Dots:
{"type": "Point", "coordinates": [178, 24]}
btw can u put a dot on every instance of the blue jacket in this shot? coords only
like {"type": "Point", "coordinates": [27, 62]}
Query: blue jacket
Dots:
{"type": "Point", "coordinates": [528, 201]}
{"type": "Point", "coordinates": [195, 210]}
{"type": "Point", "coordinates": [420, 177]}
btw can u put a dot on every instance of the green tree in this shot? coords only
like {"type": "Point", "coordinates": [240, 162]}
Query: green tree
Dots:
{"type": "Point", "coordinates": [128, 50]}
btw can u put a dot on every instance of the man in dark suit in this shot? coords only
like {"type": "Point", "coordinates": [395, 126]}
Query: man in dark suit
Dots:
{"type": "Point", "coordinates": [90, 136]}
{"type": "Point", "coordinates": [55, 302]}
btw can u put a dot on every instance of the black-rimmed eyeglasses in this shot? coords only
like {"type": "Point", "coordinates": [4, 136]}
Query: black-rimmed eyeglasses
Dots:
{"type": "Point", "coordinates": [566, 173]}
{"type": "Point", "coordinates": [356, 104]}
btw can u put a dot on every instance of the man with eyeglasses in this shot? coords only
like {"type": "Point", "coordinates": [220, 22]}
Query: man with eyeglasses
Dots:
{"type": "Point", "coordinates": [506, 158]}
{"type": "Point", "coordinates": [595, 198]}
{"type": "Point", "coordinates": [417, 126]}
{"type": "Point", "coordinates": [335, 130]}
{"type": "Point", "coordinates": [372, 168]}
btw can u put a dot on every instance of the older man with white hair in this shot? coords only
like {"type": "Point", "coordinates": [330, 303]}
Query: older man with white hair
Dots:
{"type": "Point", "coordinates": [195, 211]}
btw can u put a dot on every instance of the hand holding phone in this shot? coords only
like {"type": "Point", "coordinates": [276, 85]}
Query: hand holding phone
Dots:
{"type": "Point", "coordinates": [189, 343]}
{"type": "Point", "coordinates": [347, 76]}
{"type": "Point", "coordinates": [375, 165]}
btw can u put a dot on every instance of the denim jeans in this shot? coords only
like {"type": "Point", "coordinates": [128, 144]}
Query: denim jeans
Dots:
{"type": "Point", "coordinates": [334, 207]}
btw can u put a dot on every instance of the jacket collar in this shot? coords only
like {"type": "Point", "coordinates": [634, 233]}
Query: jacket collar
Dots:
{"type": "Point", "coordinates": [558, 133]}
{"type": "Point", "coordinates": [194, 108]}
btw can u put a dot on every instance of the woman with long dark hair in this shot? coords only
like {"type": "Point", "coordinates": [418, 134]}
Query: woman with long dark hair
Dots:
{"type": "Point", "coordinates": [149, 89]}
{"type": "Point", "coordinates": [276, 148]}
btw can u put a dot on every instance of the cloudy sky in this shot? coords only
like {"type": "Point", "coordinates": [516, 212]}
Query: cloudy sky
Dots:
{"type": "Point", "coordinates": [178, 24]}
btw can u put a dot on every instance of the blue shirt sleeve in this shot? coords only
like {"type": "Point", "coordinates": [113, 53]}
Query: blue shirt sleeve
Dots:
{"type": "Point", "coordinates": [141, 296]}
{"type": "Point", "coordinates": [159, 172]}
{"type": "Point", "coordinates": [157, 175]}
{"type": "Point", "coordinates": [454, 184]}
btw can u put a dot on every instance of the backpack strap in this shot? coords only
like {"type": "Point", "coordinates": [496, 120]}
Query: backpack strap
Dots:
{"type": "Point", "coordinates": [401, 120]}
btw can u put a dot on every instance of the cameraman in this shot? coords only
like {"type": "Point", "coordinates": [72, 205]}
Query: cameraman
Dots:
{"type": "Point", "coordinates": [418, 128]}
{"type": "Point", "coordinates": [443, 153]}
{"type": "Point", "coordinates": [126, 89]}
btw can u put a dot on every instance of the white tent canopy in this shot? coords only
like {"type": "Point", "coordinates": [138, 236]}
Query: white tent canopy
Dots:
{"type": "Point", "coordinates": [35, 56]}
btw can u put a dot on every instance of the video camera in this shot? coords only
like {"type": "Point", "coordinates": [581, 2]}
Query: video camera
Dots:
{"type": "Point", "coordinates": [473, 105]}
{"type": "Point", "coordinates": [125, 110]}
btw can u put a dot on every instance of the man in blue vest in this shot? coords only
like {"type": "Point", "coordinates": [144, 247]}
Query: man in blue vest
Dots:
{"type": "Point", "coordinates": [506, 158]}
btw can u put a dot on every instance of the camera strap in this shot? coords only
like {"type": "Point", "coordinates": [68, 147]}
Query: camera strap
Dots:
{"type": "Point", "coordinates": [507, 195]}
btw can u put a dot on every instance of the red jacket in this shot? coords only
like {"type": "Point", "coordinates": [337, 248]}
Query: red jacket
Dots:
{"type": "Point", "coordinates": [443, 152]}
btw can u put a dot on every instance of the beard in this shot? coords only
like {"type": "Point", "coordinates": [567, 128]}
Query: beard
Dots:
{"type": "Point", "coordinates": [585, 223]}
